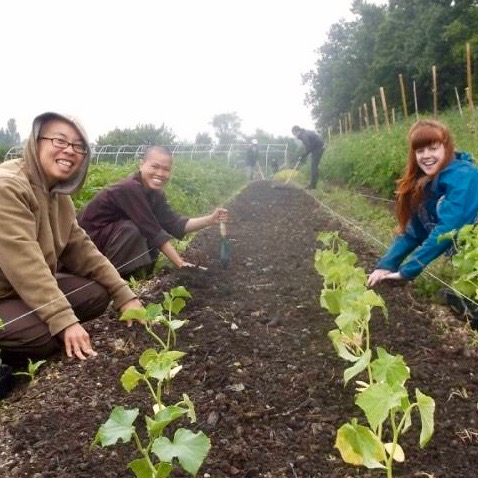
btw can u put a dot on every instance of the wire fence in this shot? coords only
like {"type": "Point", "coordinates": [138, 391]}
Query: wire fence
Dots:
{"type": "Point", "coordinates": [234, 154]}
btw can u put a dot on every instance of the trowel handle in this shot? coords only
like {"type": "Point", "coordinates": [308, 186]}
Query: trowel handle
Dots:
{"type": "Point", "coordinates": [222, 228]}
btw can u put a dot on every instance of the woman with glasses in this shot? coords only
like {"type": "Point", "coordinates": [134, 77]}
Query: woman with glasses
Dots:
{"type": "Point", "coordinates": [42, 309]}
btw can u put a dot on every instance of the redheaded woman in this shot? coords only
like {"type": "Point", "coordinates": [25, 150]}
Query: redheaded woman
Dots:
{"type": "Point", "coordinates": [436, 194]}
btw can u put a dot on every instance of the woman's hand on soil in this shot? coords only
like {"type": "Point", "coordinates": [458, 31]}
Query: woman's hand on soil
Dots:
{"type": "Point", "coordinates": [378, 275]}
{"type": "Point", "coordinates": [77, 342]}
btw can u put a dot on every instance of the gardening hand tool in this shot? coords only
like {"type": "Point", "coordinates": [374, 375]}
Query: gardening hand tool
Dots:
{"type": "Point", "coordinates": [225, 254]}
{"type": "Point", "coordinates": [296, 167]}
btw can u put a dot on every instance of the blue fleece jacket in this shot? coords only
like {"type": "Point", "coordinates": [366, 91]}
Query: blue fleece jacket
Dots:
{"type": "Point", "coordinates": [451, 201]}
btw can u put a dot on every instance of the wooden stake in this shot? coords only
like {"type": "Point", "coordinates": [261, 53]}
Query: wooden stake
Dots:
{"type": "Point", "coordinates": [469, 78]}
{"type": "Point", "coordinates": [384, 106]}
{"type": "Point", "coordinates": [415, 99]}
{"type": "Point", "coordinates": [404, 98]}
{"type": "Point", "coordinates": [458, 102]}
{"type": "Point", "coordinates": [435, 91]}
{"type": "Point", "coordinates": [375, 115]}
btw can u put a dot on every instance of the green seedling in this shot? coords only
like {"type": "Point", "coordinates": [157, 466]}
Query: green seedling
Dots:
{"type": "Point", "coordinates": [32, 370]}
{"type": "Point", "coordinates": [380, 379]}
{"type": "Point", "coordinates": [157, 367]}
{"type": "Point", "coordinates": [161, 314]}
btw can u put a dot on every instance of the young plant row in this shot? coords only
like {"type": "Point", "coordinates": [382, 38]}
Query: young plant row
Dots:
{"type": "Point", "coordinates": [380, 377]}
{"type": "Point", "coordinates": [159, 455]}
{"type": "Point", "coordinates": [465, 260]}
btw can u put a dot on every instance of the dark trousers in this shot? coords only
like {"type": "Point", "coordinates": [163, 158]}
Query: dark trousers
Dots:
{"type": "Point", "coordinates": [25, 335]}
{"type": "Point", "coordinates": [128, 250]}
{"type": "Point", "coordinates": [316, 156]}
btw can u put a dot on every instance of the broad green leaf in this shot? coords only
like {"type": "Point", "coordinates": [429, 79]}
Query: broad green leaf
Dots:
{"type": "Point", "coordinates": [119, 426]}
{"type": "Point", "coordinates": [324, 260]}
{"type": "Point", "coordinates": [372, 299]}
{"type": "Point", "coordinates": [328, 237]}
{"type": "Point", "coordinates": [180, 291]}
{"type": "Point", "coordinates": [330, 300]}
{"type": "Point", "coordinates": [133, 314]}
{"type": "Point", "coordinates": [163, 418]}
{"type": "Point", "coordinates": [360, 365]}
{"type": "Point", "coordinates": [389, 368]}
{"type": "Point", "coordinates": [130, 378]}
{"type": "Point", "coordinates": [154, 310]}
{"type": "Point", "coordinates": [349, 317]}
{"type": "Point", "coordinates": [141, 469]}
{"type": "Point", "coordinates": [377, 401]}
{"type": "Point", "coordinates": [174, 305]}
{"type": "Point", "coordinates": [426, 406]}
{"type": "Point", "coordinates": [160, 369]}
{"type": "Point", "coordinates": [338, 341]}
{"type": "Point", "coordinates": [189, 448]}
{"type": "Point", "coordinates": [358, 445]}
{"type": "Point", "coordinates": [149, 355]}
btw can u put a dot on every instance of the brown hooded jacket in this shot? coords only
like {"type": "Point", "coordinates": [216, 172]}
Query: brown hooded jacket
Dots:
{"type": "Point", "coordinates": [38, 230]}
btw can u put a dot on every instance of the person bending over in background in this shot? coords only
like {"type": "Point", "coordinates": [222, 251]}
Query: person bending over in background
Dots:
{"type": "Point", "coordinates": [41, 308]}
{"type": "Point", "coordinates": [436, 194]}
{"type": "Point", "coordinates": [315, 147]}
{"type": "Point", "coordinates": [131, 221]}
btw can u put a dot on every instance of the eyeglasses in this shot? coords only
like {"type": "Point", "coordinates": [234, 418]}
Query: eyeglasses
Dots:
{"type": "Point", "coordinates": [63, 144]}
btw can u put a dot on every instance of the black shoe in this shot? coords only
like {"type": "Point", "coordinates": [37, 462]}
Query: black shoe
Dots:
{"type": "Point", "coordinates": [463, 308]}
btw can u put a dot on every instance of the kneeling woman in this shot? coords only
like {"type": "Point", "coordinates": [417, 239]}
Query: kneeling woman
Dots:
{"type": "Point", "coordinates": [42, 309]}
{"type": "Point", "coordinates": [437, 194]}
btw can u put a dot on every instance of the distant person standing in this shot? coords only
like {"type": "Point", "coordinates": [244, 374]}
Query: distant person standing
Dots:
{"type": "Point", "coordinates": [251, 158]}
{"type": "Point", "coordinates": [315, 147]}
{"type": "Point", "coordinates": [274, 165]}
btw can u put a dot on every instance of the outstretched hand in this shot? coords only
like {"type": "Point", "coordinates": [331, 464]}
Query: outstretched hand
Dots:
{"type": "Point", "coordinates": [379, 275]}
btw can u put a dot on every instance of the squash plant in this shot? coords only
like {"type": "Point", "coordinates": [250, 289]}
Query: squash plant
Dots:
{"type": "Point", "coordinates": [465, 259]}
{"type": "Point", "coordinates": [380, 379]}
{"type": "Point", "coordinates": [160, 454]}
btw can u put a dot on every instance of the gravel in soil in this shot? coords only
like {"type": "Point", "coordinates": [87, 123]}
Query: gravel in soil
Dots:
{"type": "Point", "coordinates": [265, 380]}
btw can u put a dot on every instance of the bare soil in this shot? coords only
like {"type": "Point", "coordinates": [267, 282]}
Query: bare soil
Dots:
{"type": "Point", "coordinates": [265, 380]}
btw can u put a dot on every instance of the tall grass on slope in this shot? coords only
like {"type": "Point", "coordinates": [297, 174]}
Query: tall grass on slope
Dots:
{"type": "Point", "coordinates": [375, 160]}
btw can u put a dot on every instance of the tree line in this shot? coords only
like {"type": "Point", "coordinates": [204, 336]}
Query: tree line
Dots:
{"type": "Point", "coordinates": [406, 38]}
{"type": "Point", "coordinates": [226, 126]}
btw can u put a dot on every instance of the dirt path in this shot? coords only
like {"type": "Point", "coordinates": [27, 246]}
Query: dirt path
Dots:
{"type": "Point", "coordinates": [259, 368]}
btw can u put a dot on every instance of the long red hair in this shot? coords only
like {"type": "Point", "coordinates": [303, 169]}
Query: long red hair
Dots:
{"type": "Point", "coordinates": [410, 187]}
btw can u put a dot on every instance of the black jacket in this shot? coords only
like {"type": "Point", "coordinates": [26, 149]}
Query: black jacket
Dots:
{"type": "Point", "coordinates": [311, 141]}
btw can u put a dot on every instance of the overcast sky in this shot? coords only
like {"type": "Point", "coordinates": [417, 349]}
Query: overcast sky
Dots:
{"type": "Point", "coordinates": [117, 64]}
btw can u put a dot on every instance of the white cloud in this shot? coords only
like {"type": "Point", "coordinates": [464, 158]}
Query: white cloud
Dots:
{"type": "Point", "coordinates": [123, 63]}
